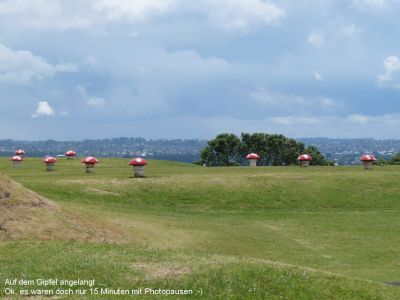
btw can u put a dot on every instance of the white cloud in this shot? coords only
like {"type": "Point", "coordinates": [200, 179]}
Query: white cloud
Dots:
{"type": "Point", "coordinates": [91, 60]}
{"type": "Point", "coordinates": [183, 62]}
{"type": "Point", "coordinates": [265, 96]}
{"type": "Point", "coordinates": [291, 120]}
{"type": "Point", "coordinates": [43, 110]}
{"type": "Point", "coordinates": [316, 39]}
{"type": "Point", "coordinates": [391, 64]}
{"type": "Point", "coordinates": [327, 103]}
{"type": "Point", "coordinates": [317, 75]}
{"type": "Point", "coordinates": [333, 122]}
{"type": "Point", "coordinates": [357, 118]}
{"type": "Point", "coordinates": [241, 15]}
{"type": "Point", "coordinates": [46, 14]}
{"type": "Point", "coordinates": [351, 126]}
{"type": "Point", "coordinates": [90, 100]}
{"type": "Point", "coordinates": [231, 15]}
{"type": "Point", "coordinates": [95, 101]}
{"type": "Point", "coordinates": [116, 10]}
{"type": "Point", "coordinates": [369, 5]}
{"type": "Point", "coordinates": [82, 14]}
{"type": "Point", "coordinates": [377, 120]}
{"type": "Point", "coordinates": [22, 67]}
{"type": "Point", "coordinates": [351, 30]}
{"type": "Point", "coordinates": [276, 102]}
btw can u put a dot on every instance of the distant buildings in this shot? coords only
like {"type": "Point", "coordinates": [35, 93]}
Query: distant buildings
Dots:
{"type": "Point", "coordinates": [342, 151]}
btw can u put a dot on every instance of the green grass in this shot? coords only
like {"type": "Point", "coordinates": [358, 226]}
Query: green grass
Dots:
{"type": "Point", "coordinates": [244, 233]}
{"type": "Point", "coordinates": [218, 277]}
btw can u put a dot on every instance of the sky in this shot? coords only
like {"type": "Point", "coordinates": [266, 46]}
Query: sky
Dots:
{"type": "Point", "coordinates": [79, 69]}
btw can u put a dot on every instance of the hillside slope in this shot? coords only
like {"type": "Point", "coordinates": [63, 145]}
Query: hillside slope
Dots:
{"type": "Point", "coordinates": [235, 233]}
{"type": "Point", "coordinates": [27, 215]}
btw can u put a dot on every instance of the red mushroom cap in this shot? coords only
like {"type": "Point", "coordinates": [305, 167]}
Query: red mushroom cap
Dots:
{"type": "Point", "coordinates": [20, 152]}
{"type": "Point", "coordinates": [253, 156]}
{"type": "Point", "coordinates": [138, 162]}
{"type": "Point", "coordinates": [70, 153]}
{"type": "Point", "coordinates": [305, 157]}
{"type": "Point", "coordinates": [50, 160]}
{"type": "Point", "coordinates": [16, 158]}
{"type": "Point", "coordinates": [90, 160]}
{"type": "Point", "coordinates": [367, 157]}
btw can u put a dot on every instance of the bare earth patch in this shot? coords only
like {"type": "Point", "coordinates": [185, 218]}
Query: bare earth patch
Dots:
{"type": "Point", "coordinates": [161, 270]}
{"type": "Point", "coordinates": [181, 265]}
{"type": "Point", "coordinates": [101, 192]}
{"type": "Point", "coordinates": [26, 215]}
{"type": "Point", "coordinates": [110, 182]}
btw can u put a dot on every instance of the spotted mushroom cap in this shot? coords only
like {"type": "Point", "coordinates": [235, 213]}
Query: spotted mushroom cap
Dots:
{"type": "Point", "coordinates": [304, 157]}
{"type": "Point", "coordinates": [50, 160]}
{"type": "Point", "coordinates": [253, 156]}
{"type": "Point", "coordinates": [138, 162]}
{"type": "Point", "coordinates": [367, 157]}
{"type": "Point", "coordinates": [70, 153]}
{"type": "Point", "coordinates": [90, 160]}
{"type": "Point", "coordinates": [16, 158]}
{"type": "Point", "coordinates": [20, 152]}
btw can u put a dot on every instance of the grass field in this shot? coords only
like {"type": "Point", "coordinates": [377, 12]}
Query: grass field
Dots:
{"type": "Point", "coordinates": [238, 232]}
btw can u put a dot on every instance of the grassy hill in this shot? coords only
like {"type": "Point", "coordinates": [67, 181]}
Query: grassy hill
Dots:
{"type": "Point", "coordinates": [245, 233]}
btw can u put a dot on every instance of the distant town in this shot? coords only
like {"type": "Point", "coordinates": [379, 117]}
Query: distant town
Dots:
{"type": "Point", "coordinates": [342, 151]}
{"type": "Point", "coordinates": [348, 151]}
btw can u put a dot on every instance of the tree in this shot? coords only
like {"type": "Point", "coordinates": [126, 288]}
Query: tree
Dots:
{"type": "Point", "coordinates": [282, 151]}
{"type": "Point", "coordinates": [290, 151]}
{"type": "Point", "coordinates": [253, 143]}
{"type": "Point", "coordinates": [381, 162]}
{"type": "Point", "coordinates": [396, 159]}
{"type": "Point", "coordinates": [318, 158]}
{"type": "Point", "coordinates": [207, 156]}
{"type": "Point", "coordinates": [274, 149]}
{"type": "Point", "coordinates": [223, 148]}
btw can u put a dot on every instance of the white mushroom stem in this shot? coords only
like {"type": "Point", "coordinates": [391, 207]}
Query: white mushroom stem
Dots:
{"type": "Point", "coordinates": [16, 163]}
{"type": "Point", "coordinates": [253, 162]}
{"type": "Point", "coordinates": [138, 171]}
{"type": "Point", "coordinates": [89, 168]}
{"type": "Point", "coordinates": [367, 164]}
{"type": "Point", "coordinates": [305, 163]}
{"type": "Point", "coordinates": [49, 167]}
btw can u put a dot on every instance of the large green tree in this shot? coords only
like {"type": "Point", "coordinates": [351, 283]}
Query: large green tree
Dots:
{"type": "Point", "coordinates": [282, 150]}
{"type": "Point", "coordinates": [207, 156]}
{"type": "Point", "coordinates": [222, 150]}
{"type": "Point", "coordinates": [254, 143]}
{"type": "Point", "coordinates": [274, 149]}
{"type": "Point", "coordinates": [290, 151]}
{"type": "Point", "coordinates": [396, 159]}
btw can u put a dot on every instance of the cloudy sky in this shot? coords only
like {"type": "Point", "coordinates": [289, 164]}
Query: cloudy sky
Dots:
{"type": "Point", "coordinates": [75, 69]}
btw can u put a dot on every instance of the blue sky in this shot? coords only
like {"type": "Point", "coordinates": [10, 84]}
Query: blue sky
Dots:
{"type": "Point", "coordinates": [192, 69]}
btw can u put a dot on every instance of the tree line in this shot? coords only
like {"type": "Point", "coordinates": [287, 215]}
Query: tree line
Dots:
{"type": "Point", "coordinates": [227, 149]}
{"type": "Point", "coordinates": [394, 161]}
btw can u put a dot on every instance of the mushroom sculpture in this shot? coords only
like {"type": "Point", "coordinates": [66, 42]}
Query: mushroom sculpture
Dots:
{"type": "Point", "coordinates": [138, 166]}
{"type": "Point", "coordinates": [367, 161]}
{"type": "Point", "coordinates": [304, 160]}
{"type": "Point", "coordinates": [70, 154]}
{"type": "Point", "coordinates": [16, 160]}
{"type": "Point", "coordinates": [90, 162]}
{"type": "Point", "coordinates": [20, 152]}
{"type": "Point", "coordinates": [253, 158]}
{"type": "Point", "coordinates": [50, 161]}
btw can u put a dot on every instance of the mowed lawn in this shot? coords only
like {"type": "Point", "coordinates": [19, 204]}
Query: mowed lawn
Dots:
{"type": "Point", "coordinates": [236, 232]}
